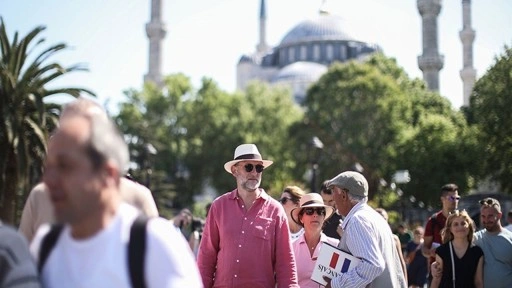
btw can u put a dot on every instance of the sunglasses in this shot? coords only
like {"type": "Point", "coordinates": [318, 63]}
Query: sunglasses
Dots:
{"type": "Point", "coordinates": [249, 167]}
{"type": "Point", "coordinates": [489, 202]}
{"type": "Point", "coordinates": [454, 198]}
{"type": "Point", "coordinates": [310, 211]}
{"type": "Point", "coordinates": [284, 200]}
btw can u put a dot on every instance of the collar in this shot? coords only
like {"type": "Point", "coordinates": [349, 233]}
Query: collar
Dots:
{"type": "Point", "coordinates": [351, 213]}
{"type": "Point", "coordinates": [233, 195]}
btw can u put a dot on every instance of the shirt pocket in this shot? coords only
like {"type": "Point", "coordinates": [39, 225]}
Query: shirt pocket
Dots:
{"type": "Point", "coordinates": [263, 227]}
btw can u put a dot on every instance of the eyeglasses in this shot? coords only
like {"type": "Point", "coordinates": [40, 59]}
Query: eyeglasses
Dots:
{"type": "Point", "coordinates": [453, 198]}
{"type": "Point", "coordinates": [284, 199]}
{"type": "Point", "coordinates": [249, 167]}
{"type": "Point", "coordinates": [310, 211]}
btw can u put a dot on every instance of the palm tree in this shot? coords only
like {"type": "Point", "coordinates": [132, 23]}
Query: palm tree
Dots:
{"type": "Point", "coordinates": [26, 117]}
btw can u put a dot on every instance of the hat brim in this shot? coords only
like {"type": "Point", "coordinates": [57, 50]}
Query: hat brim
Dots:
{"type": "Point", "coordinates": [329, 211]}
{"type": "Point", "coordinates": [229, 164]}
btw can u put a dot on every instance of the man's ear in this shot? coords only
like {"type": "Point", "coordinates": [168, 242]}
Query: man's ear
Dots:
{"type": "Point", "coordinates": [111, 172]}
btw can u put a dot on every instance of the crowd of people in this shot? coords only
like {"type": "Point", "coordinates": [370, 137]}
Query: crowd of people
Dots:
{"type": "Point", "coordinates": [86, 225]}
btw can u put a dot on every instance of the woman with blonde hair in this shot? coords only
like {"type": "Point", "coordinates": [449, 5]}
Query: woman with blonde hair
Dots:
{"type": "Point", "coordinates": [458, 257]}
{"type": "Point", "coordinates": [290, 199]}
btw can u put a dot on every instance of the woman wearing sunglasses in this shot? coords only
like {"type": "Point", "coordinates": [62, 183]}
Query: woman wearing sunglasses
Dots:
{"type": "Point", "coordinates": [290, 198]}
{"type": "Point", "coordinates": [311, 214]}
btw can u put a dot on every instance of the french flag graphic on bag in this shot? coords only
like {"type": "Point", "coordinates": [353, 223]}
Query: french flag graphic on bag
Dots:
{"type": "Point", "coordinates": [332, 261]}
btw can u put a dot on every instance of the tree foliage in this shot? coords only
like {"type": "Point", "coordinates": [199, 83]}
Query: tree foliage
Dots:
{"type": "Point", "coordinates": [370, 113]}
{"type": "Point", "coordinates": [196, 132]}
{"type": "Point", "coordinates": [490, 113]}
{"type": "Point", "coordinates": [26, 117]}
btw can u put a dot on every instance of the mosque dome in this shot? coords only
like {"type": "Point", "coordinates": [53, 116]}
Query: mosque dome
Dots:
{"type": "Point", "coordinates": [299, 76]}
{"type": "Point", "coordinates": [324, 27]}
{"type": "Point", "coordinates": [303, 71]}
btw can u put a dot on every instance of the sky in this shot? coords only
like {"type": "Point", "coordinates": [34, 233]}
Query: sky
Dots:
{"type": "Point", "coordinates": [205, 38]}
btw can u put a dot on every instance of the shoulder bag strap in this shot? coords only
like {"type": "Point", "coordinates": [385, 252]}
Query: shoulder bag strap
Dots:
{"type": "Point", "coordinates": [47, 244]}
{"type": "Point", "coordinates": [137, 251]}
{"type": "Point", "coordinates": [453, 264]}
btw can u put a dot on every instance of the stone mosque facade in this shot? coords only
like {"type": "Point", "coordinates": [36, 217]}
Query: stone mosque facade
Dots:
{"type": "Point", "coordinates": [306, 51]}
{"type": "Point", "coordinates": [302, 56]}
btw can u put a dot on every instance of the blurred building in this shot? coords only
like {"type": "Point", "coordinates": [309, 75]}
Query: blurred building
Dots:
{"type": "Point", "coordinates": [303, 55]}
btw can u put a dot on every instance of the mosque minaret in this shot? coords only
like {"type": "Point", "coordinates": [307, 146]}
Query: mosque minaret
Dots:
{"type": "Point", "coordinates": [155, 31]}
{"type": "Point", "coordinates": [467, 37]}
{"type": "Point", "coordinates": [431, 62]}
{"type": "Point", "coordinates": [262, 46]}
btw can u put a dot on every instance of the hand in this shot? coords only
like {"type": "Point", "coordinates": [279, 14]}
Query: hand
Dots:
{"type": "Point", "coordinates": [339, 230]}
{"type": "Point", "coordinates": [328, 280]}
{"type": "Point", "coordinates": [436, 270]}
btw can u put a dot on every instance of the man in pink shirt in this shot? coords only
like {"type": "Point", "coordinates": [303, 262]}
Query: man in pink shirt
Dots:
{"type": "Point", "coordinates": [246, 239]}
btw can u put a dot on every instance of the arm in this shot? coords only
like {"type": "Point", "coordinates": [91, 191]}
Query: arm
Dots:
{"type": "Point", "coordinates": [428, 238]}
{"type": "Point", "coordinates": [27, 220]}
{"type": "Point", "coordinates": [436, 277]}
{"type": "Point", "coordinates": [169, 261]}
{"type": "Point", "coordinates": [479, 275]}
{"type": "Point", "coordinates": [209, 248]}
{"type": "Point", "coordinates": [285, 267]}
{"type": "Point", "coordinates": [400, 255]}
{"type": "Point", "coordinates": [362, 244]}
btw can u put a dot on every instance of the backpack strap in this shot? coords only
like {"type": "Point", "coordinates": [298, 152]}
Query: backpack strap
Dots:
{"type": "Point", "coordinates": [48, 243]}
{"type": "Point", "coordinates": [136, 251]}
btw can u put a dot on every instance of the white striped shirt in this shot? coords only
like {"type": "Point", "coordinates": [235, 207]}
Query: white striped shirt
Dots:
{"type": "Point", "coordinates": [367, 236]}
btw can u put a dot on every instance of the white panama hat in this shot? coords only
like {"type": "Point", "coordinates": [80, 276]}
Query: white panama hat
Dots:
{"type": "Point", "coordinates": [246, 152]}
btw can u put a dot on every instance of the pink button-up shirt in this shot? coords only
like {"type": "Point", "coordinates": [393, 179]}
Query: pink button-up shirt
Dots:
{"type": "Point", "coordinates": [246, 248]}
{"type": "Point", "coordinates": [306, 263]}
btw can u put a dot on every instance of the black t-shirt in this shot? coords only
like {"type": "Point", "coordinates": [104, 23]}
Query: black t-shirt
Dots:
{"type": "Point", "coordinates": [465, 267]}
{"type": "Point", "coordinates": [331, 225]}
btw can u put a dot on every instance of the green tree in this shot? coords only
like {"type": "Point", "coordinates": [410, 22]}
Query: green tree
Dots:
{"type": "Point", "coordinates": [490, 113]}
{"type": "Point", "coordinates": [218, 122]}
{"type": "Point", "coordinates": [359, 113]}
{"type": "Point", "coordinates": [153, 118]}
{"type": "Point", "coordinates": [197, 131]}
{"type": "Point", "coordinates": [26, 118]}
{"type": "Point", "coordinates": [373, 114]}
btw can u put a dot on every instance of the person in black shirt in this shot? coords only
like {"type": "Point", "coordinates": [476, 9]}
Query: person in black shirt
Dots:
{"type": "Point", "coordinates": [331, 226]}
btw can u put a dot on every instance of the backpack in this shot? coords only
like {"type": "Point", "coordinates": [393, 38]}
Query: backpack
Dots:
{"type": "Point", "coordinates": [17, 268]}
{"type": "Point", "coordinates": [136, 249]}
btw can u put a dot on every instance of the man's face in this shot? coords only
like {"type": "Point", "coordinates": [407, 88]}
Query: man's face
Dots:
{"type": "Point", "coordinates": [450, 201]}
{"type": "Point", "coordinates": [249, 181]}
{"type": "Point", "coordinates": [341, 200]}
{"type": "Point", "coordinates": [73, 184]}
{"type": "Point", "coordinates": [490, 218]}
{"type": "Point", "coordinates": [328, 199]}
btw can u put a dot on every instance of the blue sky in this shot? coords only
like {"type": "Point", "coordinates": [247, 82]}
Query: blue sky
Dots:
{"type": "Point", "coordinates": [207, 37]}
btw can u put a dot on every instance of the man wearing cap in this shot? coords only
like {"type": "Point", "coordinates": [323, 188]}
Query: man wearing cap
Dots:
{"type": "Point", "coordinates": [246, 239]}
{"type": "Point", "coordinates": [366, 235]}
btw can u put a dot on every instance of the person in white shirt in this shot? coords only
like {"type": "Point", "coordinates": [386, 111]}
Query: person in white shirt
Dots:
{"type": "Point", "coordinates": [366, 235]}
{"type": "Point", "coordinates": [83, 167]}
{"type": "Point", "coordinates": [509, 221]}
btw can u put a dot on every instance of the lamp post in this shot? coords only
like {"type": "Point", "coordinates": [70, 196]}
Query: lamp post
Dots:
{"type": "Point", "coordinates": [316, 147]}
{"type": "Point", "coordinates": [401, 177]}
{"type": "Point", "coordinates": [149, 150]}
